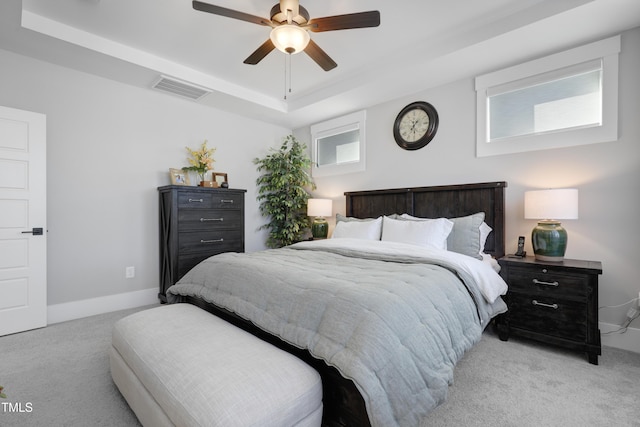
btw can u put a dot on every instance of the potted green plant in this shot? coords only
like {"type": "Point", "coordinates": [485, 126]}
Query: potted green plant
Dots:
{"type": "Point", "coordinates": [282, 192]}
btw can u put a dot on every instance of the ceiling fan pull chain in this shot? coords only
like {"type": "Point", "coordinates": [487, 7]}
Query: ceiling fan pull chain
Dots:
{"type": "Point", "coordinates": [287, 75]}
{"type": "Point", "coordinates": [286, 58]}
{"type": "Point", "coordinates": [289, 72]}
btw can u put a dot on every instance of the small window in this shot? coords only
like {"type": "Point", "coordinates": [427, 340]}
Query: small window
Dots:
{"type": "Point", "coordinates": [562, 100]}
{"type": "Point", "coordinates": [338, 145]}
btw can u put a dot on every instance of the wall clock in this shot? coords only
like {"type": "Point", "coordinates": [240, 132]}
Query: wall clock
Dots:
{"type": "Point", "coordinates": [416, 125]}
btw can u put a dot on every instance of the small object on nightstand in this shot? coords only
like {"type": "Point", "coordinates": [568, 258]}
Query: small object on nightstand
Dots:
{"type": "Point", "coordinates": [520, 253]}
{"type": "Point", "coordinates": [552, 302]}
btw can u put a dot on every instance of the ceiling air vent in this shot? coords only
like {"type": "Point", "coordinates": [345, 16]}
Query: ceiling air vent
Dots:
{"type": "Point", "coordinates": [180, 88]}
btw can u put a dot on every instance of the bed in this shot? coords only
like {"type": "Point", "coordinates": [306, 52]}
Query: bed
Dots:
{"type": "Point", "coordinates": [358, 311]}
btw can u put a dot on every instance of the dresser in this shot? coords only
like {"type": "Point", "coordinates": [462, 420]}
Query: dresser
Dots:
{"type": "Point", "coordinates": [196, 223]}
{"type": "Point", "coordinates": [552, 302]}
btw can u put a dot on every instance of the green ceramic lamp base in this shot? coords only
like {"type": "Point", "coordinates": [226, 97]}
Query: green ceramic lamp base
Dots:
{"type": "Point", "coordinates": [319, 228]}
{"type": "Point", "coordinates": [549, 241]}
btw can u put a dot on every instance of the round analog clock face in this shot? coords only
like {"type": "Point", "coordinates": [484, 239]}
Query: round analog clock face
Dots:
{"type": "Point", "coordinates": [415, 125]}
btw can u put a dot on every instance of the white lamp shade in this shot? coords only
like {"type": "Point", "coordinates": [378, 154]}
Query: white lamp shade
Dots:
{"type": "Point", "coordinates": [560, 203]}
{"type": "Point", "coordinates": [289, 38]}
{"type": "Point", "coordinates": [319, 207]}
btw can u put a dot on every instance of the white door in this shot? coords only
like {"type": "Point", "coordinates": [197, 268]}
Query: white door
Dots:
{"type": "Point", "coordinates": [23, 203]}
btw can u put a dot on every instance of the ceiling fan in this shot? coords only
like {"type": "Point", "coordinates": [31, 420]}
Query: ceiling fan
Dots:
{"type": "Point", "coordinates": [290, 25]}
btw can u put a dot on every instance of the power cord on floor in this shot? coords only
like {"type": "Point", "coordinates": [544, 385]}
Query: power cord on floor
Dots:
{"type": "Point", "coordinates": [632, 315]}
{"type": "Point", "coordinates": [619, 305]}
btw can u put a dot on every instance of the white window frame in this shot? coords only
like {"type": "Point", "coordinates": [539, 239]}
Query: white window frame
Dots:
{"type": "Point", "coordinates": [606, 50]}
{"type": "Point", "coordinates": [337, 126]}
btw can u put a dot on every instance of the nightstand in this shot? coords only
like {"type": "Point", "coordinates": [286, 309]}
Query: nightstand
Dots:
{"type": "Point", "coordinates": [552, 302]}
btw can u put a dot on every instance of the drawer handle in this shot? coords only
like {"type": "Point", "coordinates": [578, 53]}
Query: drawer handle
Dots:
{"type": "Point", "coordinates": [212, 241]}
{"type": "Point", "coordinates": [196, 200]}
{"type": "Point", "coordinates": [211, 219]}
{"type": "Point", "coordinates": [226, 201]}
{"type": "Point", "coordinates": [554, 306]}
{"type": "Point", "coordinates": [540, 282]}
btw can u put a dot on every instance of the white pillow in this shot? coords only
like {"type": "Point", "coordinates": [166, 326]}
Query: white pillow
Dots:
{"type": "Point", "coordinates": [430, 233]}
{"type": "Point", "coordinates": [368, 230]}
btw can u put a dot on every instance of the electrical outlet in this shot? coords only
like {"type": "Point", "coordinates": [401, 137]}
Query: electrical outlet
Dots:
{"type": "Point", "coordinates": [130, 272]}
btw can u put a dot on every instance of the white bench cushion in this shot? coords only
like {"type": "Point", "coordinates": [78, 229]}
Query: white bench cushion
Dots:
{"type": "Point", "coordinates": [203, 371]}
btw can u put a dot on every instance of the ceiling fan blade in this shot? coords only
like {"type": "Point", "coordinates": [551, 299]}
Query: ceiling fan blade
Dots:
{"type": "Point", "coordinates": [230, 13]}
{"type": "Point", "coordinates": [319, 56]}
{"type": "Point", "coordinates": [345, 22]}
{"type": "Point", "coordinates": [259, 54]}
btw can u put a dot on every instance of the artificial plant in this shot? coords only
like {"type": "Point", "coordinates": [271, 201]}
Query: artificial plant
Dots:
{"type": "Point", "coordinates": [201, 161]}
{"type": "Point", "coordinates": [282, 192]}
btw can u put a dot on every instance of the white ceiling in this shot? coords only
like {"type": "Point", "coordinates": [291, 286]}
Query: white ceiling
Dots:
{"type": "Point", "coordinates": [420, 44]}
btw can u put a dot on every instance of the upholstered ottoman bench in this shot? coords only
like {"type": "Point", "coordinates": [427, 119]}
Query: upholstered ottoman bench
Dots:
{"type": "Point", "coordinates": [178, 365]}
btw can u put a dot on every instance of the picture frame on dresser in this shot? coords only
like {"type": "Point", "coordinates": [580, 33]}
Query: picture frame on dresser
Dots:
{"type": "Point", "coordinates": [179, 177]}
{"type": "Point", "coordinates": [220, 178]}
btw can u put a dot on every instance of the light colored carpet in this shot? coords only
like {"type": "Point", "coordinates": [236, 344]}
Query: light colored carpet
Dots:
{"type": "Point", "coordinates": [62, 372]}
{"type": "Point", "coordinates": [525, 384]}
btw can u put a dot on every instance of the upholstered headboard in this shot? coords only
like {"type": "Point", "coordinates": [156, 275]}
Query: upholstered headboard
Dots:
{"type": "Point", "coordinates": [448, 201]}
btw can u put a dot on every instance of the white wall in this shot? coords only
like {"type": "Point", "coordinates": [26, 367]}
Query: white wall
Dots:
{"type": "Point", "coordinates": [109, 147]}
{"type": "Point", "coordinates": [607, 175]}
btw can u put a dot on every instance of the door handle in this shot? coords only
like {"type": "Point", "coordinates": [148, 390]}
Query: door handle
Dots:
{"type": "Point", "coordinates": [35, 231]}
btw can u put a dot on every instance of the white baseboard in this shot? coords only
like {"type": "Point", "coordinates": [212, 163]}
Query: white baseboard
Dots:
{"type": "Point", "coordinates": [90, 307]}
{"type": "Point", "coordinates": [630, 340]}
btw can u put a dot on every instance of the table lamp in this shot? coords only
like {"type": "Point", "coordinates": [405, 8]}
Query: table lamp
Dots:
{"type": "Point", "coordinates": [319, 208]}
{"type": "Point", "coordinates": [549, 239]}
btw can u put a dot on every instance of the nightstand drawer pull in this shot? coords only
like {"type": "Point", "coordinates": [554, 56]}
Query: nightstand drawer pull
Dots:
{"type": "Point", "coordinates": [211, 219]}
{"type": "Point", "coordinates": [226, 201]}
{"type": "Point", "coordinates": [196, 200]}
{"type": "Point", "coordinates": [212, 241]}
{"type": "Point", "coordinates": [554, 306]}
{"type": "Point", "coordinates": [540, 282]}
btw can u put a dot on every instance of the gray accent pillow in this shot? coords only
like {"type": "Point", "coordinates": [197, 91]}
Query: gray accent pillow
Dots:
{"type": "Point", "coordinates": [465, 235]}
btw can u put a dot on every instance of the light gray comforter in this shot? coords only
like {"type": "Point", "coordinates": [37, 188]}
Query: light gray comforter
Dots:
{"type": "Point", "coordinates": [394, 320]}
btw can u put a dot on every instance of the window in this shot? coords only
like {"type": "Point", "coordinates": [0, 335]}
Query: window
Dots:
{"type": "Point", "coordinates": [562, 100]}
{"type": "Point", "coordinates": [338, 145]}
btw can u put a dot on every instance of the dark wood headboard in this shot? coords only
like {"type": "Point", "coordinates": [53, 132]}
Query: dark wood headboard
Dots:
{"type": "Point", "coordinates": [447, 201]}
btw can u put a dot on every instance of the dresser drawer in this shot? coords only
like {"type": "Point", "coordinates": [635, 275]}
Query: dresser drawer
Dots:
{"type": "Point", "coordinates": [209, 200]}
{"type": "Point", "coordinates": [558, 318]}
{"type": "Point", "coordinates": [210, 241]}
{"type": "Point", "coordinates": [548, 282]}
{"type": "Point", "coordinates": [209, 219]}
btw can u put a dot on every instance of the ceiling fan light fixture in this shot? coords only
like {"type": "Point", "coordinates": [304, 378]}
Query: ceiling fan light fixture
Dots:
{"type": "Point", "coordinates": [290, 38]}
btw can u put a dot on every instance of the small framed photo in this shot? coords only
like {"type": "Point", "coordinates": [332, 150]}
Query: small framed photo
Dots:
{"type": "Point", "coordinates": [220, 178]}
{"type": "Point", "coordinates": [179, 177]}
